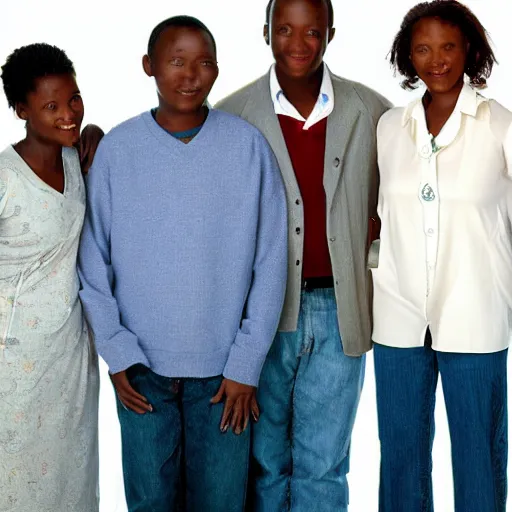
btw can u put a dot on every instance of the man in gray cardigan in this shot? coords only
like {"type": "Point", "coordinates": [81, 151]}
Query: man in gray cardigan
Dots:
{"type": "Point", "coordinates": [322, 130]}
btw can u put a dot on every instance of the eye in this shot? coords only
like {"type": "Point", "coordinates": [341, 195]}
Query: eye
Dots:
{"type": "Point", "coordinates": [77, 98]}
{"type": "Point", "coordinates": [283, 31]}
{"type": "Point", "coordinates": [449, 46]}
{"type": "Point", "coordinates": [421, 49]}
{"type": "Point", "coordinates": [314, 33]}
{"type": "Point", "coordinates": [51, 106]}
{"type": "Point", "coordinates": [176, 62]}
{"type": "Point", "coordinates": [208, 63]}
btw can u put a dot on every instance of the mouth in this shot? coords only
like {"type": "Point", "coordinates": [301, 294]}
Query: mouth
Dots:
{"type": "Point", "coordinates": [438, 74]}
{"type": "Point", "coordinates": [189, 92]}
{"type": "Point", "coordinates": [299, 58]}
{"type": "Point", "coordinates": [67, 127]}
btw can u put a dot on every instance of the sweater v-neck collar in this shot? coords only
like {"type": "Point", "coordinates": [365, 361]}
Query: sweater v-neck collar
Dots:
{"type": "Point", "coordinates": [172, 142]}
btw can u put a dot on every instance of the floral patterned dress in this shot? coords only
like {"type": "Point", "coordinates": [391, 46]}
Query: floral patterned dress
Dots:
{"type": "Point", "coordinates": [48, 367]}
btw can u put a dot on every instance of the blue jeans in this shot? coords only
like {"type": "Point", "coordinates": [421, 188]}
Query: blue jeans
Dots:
{"type": "Point", "coordinates": [308, 395]}
{"type": "Point", "coordinates": [475, 392]}
{"type": "Point", "coordinates": [181, 439]}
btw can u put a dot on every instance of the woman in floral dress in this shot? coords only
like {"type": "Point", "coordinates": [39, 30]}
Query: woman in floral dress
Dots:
{"type": "Point", "coordinates": [48, 368]}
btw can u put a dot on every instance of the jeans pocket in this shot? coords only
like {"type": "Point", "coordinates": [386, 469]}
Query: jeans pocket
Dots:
{"type": "Point", "coordinates": [136, 370]}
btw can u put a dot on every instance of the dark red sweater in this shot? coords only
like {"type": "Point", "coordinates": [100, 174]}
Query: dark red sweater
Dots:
{"type": "Point", "coordinates": [307, 152]}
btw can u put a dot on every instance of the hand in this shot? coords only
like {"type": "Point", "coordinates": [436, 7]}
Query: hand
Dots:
{"type": "Point", "coordinates": [240, 403]}
{"type": "Point", "coordinates": [128, 396]}
{"type": "Point", "coordinates": [89, 139]}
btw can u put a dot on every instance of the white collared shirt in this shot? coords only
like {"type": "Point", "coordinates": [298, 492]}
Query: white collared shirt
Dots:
{"type": "Point", "coordinates": [323, 107]}
{"type": "Point", "coordinates": [445, 258]}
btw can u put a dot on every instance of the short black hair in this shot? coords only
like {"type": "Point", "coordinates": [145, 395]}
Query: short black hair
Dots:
{"type": "Point", "coordinates": [480, 58]}
{"type": "Point", "coordinates": [179, 22]}
{"type": "Point", "coordinates": [330, 12]}
{"type": "Point", "coordinates": [28, 63]}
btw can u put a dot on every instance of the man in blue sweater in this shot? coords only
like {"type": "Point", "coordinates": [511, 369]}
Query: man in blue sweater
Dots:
{"type": "Point", "coordinates": [183, 264]}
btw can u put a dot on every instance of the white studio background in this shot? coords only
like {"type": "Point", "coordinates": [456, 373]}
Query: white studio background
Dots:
{"type": "Point", "coordinates": [106, 40]}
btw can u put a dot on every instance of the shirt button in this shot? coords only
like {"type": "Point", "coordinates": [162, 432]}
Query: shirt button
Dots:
{"type": "Point", "coordinates": [297, 230]}
{"type": "Point", "coordinates": [430, 232]}
{"type": "Point", "coordinates": [332, 239]}
{"type": "Point", "coordinates": [336, 162]}
{"type": "Point", "coordinates": [425, 150]}
{"type": "Point", "coordinates": [297, 262]}
{"type": "Point", "coordinates": [297, 201]}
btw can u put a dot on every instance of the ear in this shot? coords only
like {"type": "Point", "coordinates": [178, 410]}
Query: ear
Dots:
{"type": "Point", "coordinates": [146, 64]}
{"type": "Point", "coordinates": [265, 34]}
{"type": "Point", "coordinates": [332, 33]}
{"type": "Point", "coordinates": [21, 111]}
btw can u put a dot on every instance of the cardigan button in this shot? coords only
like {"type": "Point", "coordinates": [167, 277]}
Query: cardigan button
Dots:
{"type": "Point", "coordinates": [297, 201]}
{"type": "Point", "coordinates": [297, 230]}
{"type": "Point", "coordinates": [336, 162]}
{"type": "Point", "coordinates": [297, 263]}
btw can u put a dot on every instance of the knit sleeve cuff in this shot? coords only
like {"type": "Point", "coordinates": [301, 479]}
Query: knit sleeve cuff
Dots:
{"type": "Point", "coordinates": [244, 365]}
{"type": "Point", "coordinates": [121, 352]}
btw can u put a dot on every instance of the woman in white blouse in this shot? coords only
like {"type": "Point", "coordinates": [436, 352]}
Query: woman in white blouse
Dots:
{"type": "Point", "coordinates": [443, 285]}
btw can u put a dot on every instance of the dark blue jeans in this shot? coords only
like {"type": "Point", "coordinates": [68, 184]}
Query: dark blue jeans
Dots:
{"type": "Point", "coordinates": [181, 440]}
{"type": "Point", "coordinates": [475, 393]}
{"type": "Point", "coordinates": [308, 394]}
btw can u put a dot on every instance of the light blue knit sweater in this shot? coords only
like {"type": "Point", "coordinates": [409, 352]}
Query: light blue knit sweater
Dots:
{"type": "Point", "coordinates": [184, 249]}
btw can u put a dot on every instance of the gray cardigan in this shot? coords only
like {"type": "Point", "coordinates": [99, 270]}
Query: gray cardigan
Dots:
{"type": "Point", "coordinates": [350, 183]}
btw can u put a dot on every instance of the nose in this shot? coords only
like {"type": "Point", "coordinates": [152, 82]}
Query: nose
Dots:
{"type": "Point", "coordinates": [190, 71]}
{"type": "Point", "coordinates": [437, 58]}
{"type": "Point", "coordinates": [297, 44]}
{"type": "Point", "coordinates": [69, 114]}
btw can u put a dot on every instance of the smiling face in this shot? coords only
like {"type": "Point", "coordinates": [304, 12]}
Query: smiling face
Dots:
{"type": "Point", "coordinates": [438, 54]}
{"type": "Point", "coordinates": [53, 110]}
{"type": "Point", "coordinates": [184, 66]}
{"type": "Point", "coordinates": [299, 34]}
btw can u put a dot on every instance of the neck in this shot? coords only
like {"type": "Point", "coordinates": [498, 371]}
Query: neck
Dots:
{"type": "Point", "coordinates": [301, 91]}
{"type": "Point", "coordinates": [445, 100]}
{"type": "Point", "coordinates": [173, 121]}
{"type": "Point", "coordinates": [40, 155]}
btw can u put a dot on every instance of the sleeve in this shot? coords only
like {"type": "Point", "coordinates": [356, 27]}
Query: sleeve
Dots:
{"type": "Point", "coordinates": [383, 106]}
{"type": "Point", "coordinates": [266, 294]}
{"type": "Point", "coordinates": [4, 186]}
{"type": "Point", "coordinates": [507, 149]}
{"type": "Point", "coordinates": [118, 346]}
{"type": "Point", "coordinates": [7, 288]}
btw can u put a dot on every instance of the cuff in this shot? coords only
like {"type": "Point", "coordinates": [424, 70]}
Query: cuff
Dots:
{"type": "Point", "coordinates": [244, 365]}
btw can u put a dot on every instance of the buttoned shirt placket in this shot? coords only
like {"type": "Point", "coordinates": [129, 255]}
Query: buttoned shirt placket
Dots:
{"type": "Point", "coordinates": [428, 194]}
{"type": "Point", "coordinates": [429, 149]}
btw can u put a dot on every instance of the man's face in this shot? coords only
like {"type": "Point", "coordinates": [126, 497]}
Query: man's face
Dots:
{"type": "Point", "coordinates": [184, 66]}
{"type": "Point", "coordinates": [299, 34]}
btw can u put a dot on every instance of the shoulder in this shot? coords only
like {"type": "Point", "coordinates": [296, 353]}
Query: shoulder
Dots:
{"type": "Point", "coordinates": [242, 139]}
{"type": "Point", "coordinates": [389, 125]}
{"type": "Point", "coordinates": [499, 113]}
{"type": "Point", "coordinates": [500, 120]}
{"type": "Point", "coordinates": [70, 156]}
{"type": "Point", "coordinates": [9, 172]}
{"type": "Point", "coordinates": [234, 127]}
{"type": "Point", "coordinates": [235, 102]}
{"type": "Point", "coordinates": [9, 164]}
{"type": "Point", "coordinates": [391, 118]}
{"type": "Point", "coordinates": [126, 131]}
{"type": "Point", "coordinates": [372, 101]}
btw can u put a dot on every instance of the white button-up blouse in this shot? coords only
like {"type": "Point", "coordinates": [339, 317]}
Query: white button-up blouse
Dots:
{"type": "Point", "coordinates": [445, 260]}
